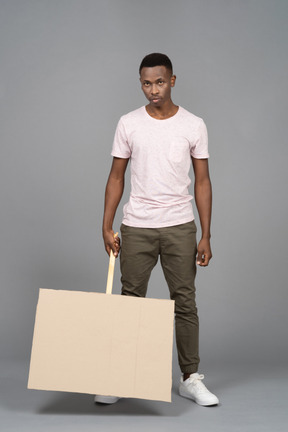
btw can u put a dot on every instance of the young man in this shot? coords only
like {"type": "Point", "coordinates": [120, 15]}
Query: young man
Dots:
{"type": "Point", "coordinates": [160, 140]}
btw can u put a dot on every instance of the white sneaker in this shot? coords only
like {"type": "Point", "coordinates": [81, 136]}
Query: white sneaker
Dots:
{"type": "Point", "coordinates": [106, 399]}
{"type": "Point", "coordinates": [193, 388]}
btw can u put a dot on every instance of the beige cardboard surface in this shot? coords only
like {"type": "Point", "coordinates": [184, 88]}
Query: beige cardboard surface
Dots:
{"type": "Point", "coordinates": [96, 343]}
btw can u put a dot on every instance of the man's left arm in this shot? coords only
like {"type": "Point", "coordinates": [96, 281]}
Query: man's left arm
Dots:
{"type": "Point", "coordinates": [203, 200]}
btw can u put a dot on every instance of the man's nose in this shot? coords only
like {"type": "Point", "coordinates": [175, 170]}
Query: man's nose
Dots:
{"type": "Point", "coordinates": [154, 89]}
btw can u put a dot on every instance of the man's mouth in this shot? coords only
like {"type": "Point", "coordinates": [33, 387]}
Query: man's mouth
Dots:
{"type": "Point", "coordinates": [155, 99]}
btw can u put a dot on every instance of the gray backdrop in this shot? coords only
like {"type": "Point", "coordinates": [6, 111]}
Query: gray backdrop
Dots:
{"type": "Point", "coordinates": [69, 70]}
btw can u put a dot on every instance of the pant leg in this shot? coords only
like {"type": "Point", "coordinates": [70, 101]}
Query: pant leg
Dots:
{"type": "Point", "coordinates": [178, 249]}
{"type": "Point", "coordinates": [139, 254]}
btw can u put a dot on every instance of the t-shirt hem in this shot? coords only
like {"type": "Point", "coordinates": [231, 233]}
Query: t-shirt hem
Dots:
{"type": "Point", "coordinates": [200, 156]}
{"type": "Point", "coordinates": [157, 225]}
{"type": "Point", "coordinates": [119, 155]}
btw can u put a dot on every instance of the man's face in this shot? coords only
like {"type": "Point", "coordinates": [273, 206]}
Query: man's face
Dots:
{"type": "Point", "coordinates": [156, 83]}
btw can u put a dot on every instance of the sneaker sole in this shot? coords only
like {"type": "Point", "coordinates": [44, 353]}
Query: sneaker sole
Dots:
{"type": "Point", "coordinates": [189, 396]}
{"type": "Point", "coordinates": [106, 399]}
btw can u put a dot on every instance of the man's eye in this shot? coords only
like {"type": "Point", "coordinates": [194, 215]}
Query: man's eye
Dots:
{"type": "Point", "coordinates": [160, 82]}
{"type": "Point", "coordinates": [146, 84]}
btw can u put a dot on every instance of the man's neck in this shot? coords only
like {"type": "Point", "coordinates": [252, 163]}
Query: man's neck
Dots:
{"type": "Point", "coordinates": [163, 112]}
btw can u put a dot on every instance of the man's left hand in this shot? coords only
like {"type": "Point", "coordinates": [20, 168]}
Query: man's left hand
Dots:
{"type": "Point", "coordinates": [204, 253]}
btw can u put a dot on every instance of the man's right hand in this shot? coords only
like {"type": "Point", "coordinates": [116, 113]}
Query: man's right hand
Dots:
{"type": "Point", "coordinates": [111, 242]}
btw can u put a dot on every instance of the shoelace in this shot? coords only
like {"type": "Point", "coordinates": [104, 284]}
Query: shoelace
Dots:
{"type": "Point", "coordinates": [197, 382]}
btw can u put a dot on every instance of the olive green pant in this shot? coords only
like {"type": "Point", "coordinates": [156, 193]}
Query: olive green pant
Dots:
{"type": "Point", "coordinates": [177, 248]}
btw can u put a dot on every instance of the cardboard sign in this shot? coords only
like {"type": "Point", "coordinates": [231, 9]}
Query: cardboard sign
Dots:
{"type": "Point", "coordinates": [95, 343]}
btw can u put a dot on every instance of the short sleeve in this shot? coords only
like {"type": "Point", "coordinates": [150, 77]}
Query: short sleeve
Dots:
{"type": "Point", "coordinates": [199, 148]}
{"type": "Point", "coordinates": [121, 147]}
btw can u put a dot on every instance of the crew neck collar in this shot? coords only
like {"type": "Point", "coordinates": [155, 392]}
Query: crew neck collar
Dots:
{"type": "Point", "coordinates": [161, 120]}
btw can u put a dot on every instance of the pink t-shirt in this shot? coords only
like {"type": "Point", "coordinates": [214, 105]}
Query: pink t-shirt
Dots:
{"type": "Point", "coordinates": [160, 154]}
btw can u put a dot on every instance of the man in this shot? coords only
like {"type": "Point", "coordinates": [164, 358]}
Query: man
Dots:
{"type": "Point", "coordinates": [160, 140]}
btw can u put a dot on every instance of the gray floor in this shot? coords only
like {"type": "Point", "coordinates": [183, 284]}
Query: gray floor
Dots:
{"type": "Point", "coordinates": [252, 399]}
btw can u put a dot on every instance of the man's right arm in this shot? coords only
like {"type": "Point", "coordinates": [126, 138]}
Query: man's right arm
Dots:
{"type": "Point", "coordinates": [113, 193]}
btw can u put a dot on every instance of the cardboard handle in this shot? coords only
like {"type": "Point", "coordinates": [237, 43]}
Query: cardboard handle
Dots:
{"type": "Point", "coordinates": [111, 271]}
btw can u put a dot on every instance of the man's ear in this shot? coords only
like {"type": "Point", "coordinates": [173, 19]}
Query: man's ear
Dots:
{"type": "Point", "coordinates": [173, 79]}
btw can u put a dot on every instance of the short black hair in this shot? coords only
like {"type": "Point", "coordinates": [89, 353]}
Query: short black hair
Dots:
{"type": "Point", "coordinates": [156, 59]}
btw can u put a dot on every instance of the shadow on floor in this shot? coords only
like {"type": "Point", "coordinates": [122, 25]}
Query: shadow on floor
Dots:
{"type": "Point", "coordinates": [16, 397]}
